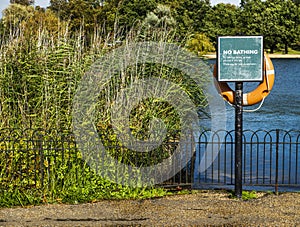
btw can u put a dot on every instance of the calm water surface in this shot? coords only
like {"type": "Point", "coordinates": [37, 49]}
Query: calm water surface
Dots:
{"type": "Point", "coordinates": [281, 109]}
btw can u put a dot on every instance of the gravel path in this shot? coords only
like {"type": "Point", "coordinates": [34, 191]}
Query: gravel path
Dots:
{"type": "Point", "coordinates": [205, 208]}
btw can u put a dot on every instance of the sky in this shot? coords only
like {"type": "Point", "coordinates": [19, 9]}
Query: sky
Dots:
{"type": "Point", "coordinates": [45, 3]}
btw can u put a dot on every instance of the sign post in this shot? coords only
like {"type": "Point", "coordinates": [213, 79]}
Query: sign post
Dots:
{"type": "Point", "coordinates": [238, 138]}
{"type": "Point", "coordinates": [240, 59]}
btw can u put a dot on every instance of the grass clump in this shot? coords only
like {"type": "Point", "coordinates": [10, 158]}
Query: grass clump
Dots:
{"type": "Point", "coordinates": [246, 195]}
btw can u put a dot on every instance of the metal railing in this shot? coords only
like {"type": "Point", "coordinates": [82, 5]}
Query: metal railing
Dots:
{"type": "Point", "coordinates": [36, 158]}
{"type": "Point", "coordinates": [270, 158]}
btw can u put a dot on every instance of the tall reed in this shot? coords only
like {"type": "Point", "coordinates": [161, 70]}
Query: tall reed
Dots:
{"type": "Point", "coordinates": [40, 70]}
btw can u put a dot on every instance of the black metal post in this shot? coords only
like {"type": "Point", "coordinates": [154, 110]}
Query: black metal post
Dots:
{"type": "Point", "coordinates": [277, 161]}
{"type": "Point", "coordinates": [238, 138]}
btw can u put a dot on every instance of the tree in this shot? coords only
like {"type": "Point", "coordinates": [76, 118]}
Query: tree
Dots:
{"type": "Point", "coordinates": [158, 25]}
{"type": "Point", "coordinates": [221, 19]}
{"type": "Point", "coordinates": [189, 15]}
{"type": "Point", "coordinates": [251, 16]}
{"type": "Point", "coordinates": [288, 21]}
{"type": "Point", "coordinates": [297, 2]}
{"type": "Point", "coordinates": [131, 11]}
{"type": "Point", "coordinates": [124, 14]}
{"type": "Point", "coordinates": [15, 15]}
{"type": "Point", "coordinates": [58, 6]}
{"type": "Point", "coordinates": [44, 24]}
{"type": "Point", "coordinates": [23, 2]}
{"type": "Point", "coordinates": [160, 17]}
{"type": "Point", "coordinates": [258, 20]}
{"type": "Point", "coordinates": [80, 13]}
{"type": "Point", "coordinates": [200, 44]}
{"type": "Point", "coordinates": [277, 20]}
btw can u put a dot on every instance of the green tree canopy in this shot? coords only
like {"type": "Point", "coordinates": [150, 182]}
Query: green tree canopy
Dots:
{"type": "Point", "coordinates": [59, 7]}
{"type": "Point", "coordinates": [297, 2]}
{"type": "Point", "coordinates": [200, 44]}
{"type": "Point", "coordinates": [22, 2]}
{"type": "Point", "coordinates": [277, 20]}
{"type": "Point", "coordinates": [189, 15]}
{"type": "Point", "coordinates": [161, 17]}
{"type": "Point", "coordinates": [125, 13]}
{"type": "Point", "coordinates": [15, 15]}
{"type": "Point", "coordinates": [221, 19]}
{"type": "Point", "coordinates": [80, 13]}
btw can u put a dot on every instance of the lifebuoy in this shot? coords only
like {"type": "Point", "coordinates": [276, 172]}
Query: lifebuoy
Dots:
{"type": "Point", "coordinates": [255, 96]}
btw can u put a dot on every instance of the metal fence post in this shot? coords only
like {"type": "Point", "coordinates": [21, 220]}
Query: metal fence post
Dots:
{"type": "Point", "coordinates": [277, 160]}
{"type": "Point", "coordinates": [41, 154]}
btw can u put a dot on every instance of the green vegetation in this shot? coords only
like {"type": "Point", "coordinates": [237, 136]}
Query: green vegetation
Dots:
{"type": "Point", "coordinates": [291, 51]}
{"type": "Point", "coordinates": [278, 21]}
{"type": "Point", "coordinates": [246, 195]}
{"type": "Point", "coordinates": [51, 170]}
{"type": "Point", "coordinates": [42, 60]}
{"type": "Point", "coordinates": [45, 52]}
{"type": "Point", "coordinates": [39, 75]}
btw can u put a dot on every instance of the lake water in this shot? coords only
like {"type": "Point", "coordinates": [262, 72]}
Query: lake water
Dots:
{"type": "Point", "coordinates": [281, 108]}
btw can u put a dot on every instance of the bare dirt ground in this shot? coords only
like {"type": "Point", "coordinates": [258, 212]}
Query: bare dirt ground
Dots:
{"type": "Point", "coordinates": [204, 208]}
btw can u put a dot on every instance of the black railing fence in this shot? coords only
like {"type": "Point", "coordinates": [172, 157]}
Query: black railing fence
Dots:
{"type": "Point", "coordinates": [270, 158]}
{"type": "Point", "coordinates": [36, 158]}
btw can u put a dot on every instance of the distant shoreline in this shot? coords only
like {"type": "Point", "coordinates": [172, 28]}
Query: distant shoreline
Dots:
{"type": "Point", "coordinates": [290, 56]}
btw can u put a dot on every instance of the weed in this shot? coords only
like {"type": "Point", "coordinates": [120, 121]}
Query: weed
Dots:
{"type": "Point", "coordinates": [246, 195]}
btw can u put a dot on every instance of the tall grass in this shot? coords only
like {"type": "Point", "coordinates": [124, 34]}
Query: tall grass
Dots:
{"type": "Point", "coordinates": [39, 73]}
{"type": "Point", "coordinates": [38, 77]}
{"type": "Point", "coordinates": [40, 70]}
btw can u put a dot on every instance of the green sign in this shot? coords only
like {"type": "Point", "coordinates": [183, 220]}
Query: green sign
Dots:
{"type": "Point", "coordinates": [240, 58]}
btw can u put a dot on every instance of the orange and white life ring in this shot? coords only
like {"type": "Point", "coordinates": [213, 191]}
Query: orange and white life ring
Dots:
{"type": "Point", "coordinates": [255, 96]}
